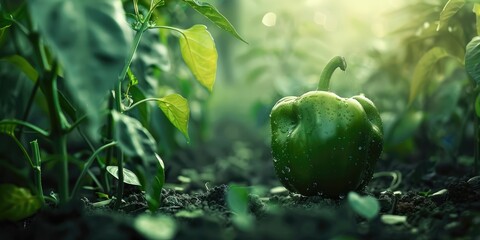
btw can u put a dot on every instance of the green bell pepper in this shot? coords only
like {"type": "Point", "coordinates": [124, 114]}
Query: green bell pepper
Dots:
{"type": "Point", "coordinates": [323, 144]}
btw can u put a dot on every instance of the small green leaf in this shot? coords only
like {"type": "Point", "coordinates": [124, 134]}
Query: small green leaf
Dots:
{"type": "Point", "coordinates": [450, 9]}
{"type": "Point", "coordinates": [472, 59]}
{"type": "Point", "coordinates": [190, 214]}
{"type": "Point", "coordinates": [278, 190]}
{"type": "Point", "coordinates": [367, 207]}
{"type": "Point", "coordinates": [159, 227]}
{"type": "Point", "coordinates": [393, 219]}
{"type": "Point", "coordinates": [17, 203]}
{"type": "Point", "coordinates": [237, 200]}
{"type": "Point", "coordinates": [131, 76]}
{"type": "Point", "coordinates": [175, 107]}
{"type": "Point", "coordinates": [128, 176]}
{"type": "Point", "coordinates": [23, 65]}
{"type": "Point", "coordinates": [199, 53]}
{"type": "Point", "coordinates": [215, 16]}
{"type": "Point", "coordinates": [423, 69]}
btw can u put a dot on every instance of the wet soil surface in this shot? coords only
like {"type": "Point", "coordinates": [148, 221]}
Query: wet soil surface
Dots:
{"type": "Point", "coordinates": [436, 207]}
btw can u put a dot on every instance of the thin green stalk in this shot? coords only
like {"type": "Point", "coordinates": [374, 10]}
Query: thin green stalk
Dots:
{"type": "Point", "coordinates": [27, 125]}
{"type": "Point", "coordinates": [24, 151]}
{"type": "Point", "coordinates": [95, 180]}
{"type": "Point", "coordinates": [140, 102]}
{"type": "Point", "coordinates": [37, 170]}
{"type": "Point", "coordinates": [118, 103]}
{"type": "Point", "coordinates": [332, 65]}
{"type": "Point", "coordinates": [75, 124]}
{"type": "Point", "coordinates": [109, 137]}
{"type": "Point", "coordinates": [118, 100]}
{"type": "Point", "coordinates": [92, 148]}
{"type": "Point", "coordinates": [395, 175]}
{"type": "Point", "coordinates": [168, 28]}
{"type": "Point", "coordinates": [26, 113]}
{"type": "Point", "coordinates": [58, 132]}
{"type": "Point", "coordinates": [60, 149]}
{"type": "Point", "coordinates": [87, 165]}
{"type": "Point", "coordinates": [120, 179]}
{"type": "Point", "coordinates": [128, 61]}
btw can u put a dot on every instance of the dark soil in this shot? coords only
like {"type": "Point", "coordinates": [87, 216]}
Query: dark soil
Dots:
{"type": "Point", "coordinates": [438, 206]}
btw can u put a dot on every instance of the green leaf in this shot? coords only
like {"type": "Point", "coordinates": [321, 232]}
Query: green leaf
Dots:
{"type": "Point", "coordinates": [131, 76]}
{"type": "Point", "coordinates": [423, 69]}
{"type": "Point", "coordinates": [367, 206]}
{"type": "Point", "coordinates": [175, 107]}
{"type": "Point", "coordinates": [132, 137]}
{"type": "Point", "coordinates": [17, 203]}
{"type": "Point", "coordinates": [138, 143]}
{"type": "Point", "coordinates": [476, 10]}
{"type": "Point", "coordinates": [91, 39]}
{"type": "Point", "coordinates": [450, 9]}
{"type": "Point", "coordinates": [161, 227]}
{"type": "Point", "coordinates": [190, 214]}
{"type": "Point", "coordinates": [393, 219]}
{"type": "Point", "coordinates": [199, 53]}
{"type": "Point", "coordinates": [237, 200]}
{"type": "Point", "coordinates": [215, 16]}
{"type": "Point", "coordinates": [472, 59]}
{"type": "Point", "coordinates": [23, 65]}
{"type": "Point", "coordinates": [128, 176]}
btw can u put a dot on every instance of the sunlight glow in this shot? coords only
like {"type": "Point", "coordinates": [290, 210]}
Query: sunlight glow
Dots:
{"type": "Point", "coordinates": [269, 19]}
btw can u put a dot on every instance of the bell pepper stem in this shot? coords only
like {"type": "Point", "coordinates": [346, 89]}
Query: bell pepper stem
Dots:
{"type": "Point", "coordinates": [332, 65]}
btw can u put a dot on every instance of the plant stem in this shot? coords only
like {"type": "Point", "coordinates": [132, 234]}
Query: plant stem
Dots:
{"type": "Point", "coordinates": [118, 100]}
{"type": "Point", "coordinates": [396, 178]}
{"type": "Point", "coordinates": [60, 149]}
{"type": "Point", "coordinates": [140, 102]}
{"type": "Point", "coordinates": [27, 125]}
{"type": "Point", "coordinates": [109, 137]}
{"type": "Point", "coordinates": [88, 164]}
{"type": "Point", "coordinates": [37, 170]}
{"type": "Point", "coordinates": [128, 61]}
{"type": "Point", "coordinates": [29, 104]}
{"type": "Point", "coordinates": [332, 65]}
{"type": "Point", "coordinates": [58, 132]}
{"type": "Point", "coordinates": [119, 195]}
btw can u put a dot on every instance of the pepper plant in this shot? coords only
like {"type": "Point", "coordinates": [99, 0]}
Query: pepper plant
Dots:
{"type": "Point", "coordinates": [81, 52]}
{"type": "Point", "coordinates": [453, 36]}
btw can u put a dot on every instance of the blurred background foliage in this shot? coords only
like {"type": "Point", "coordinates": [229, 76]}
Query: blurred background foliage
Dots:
{"type": "Point", "coordinates": [288, 45]}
